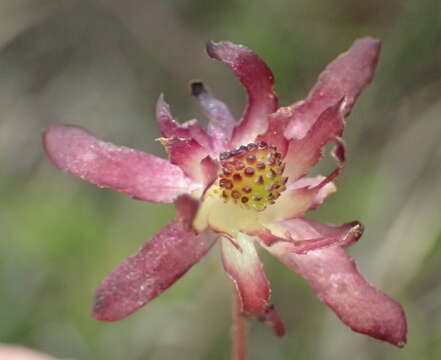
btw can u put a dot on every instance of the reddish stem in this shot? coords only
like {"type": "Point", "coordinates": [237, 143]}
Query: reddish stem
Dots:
{"type": "Point", "coordinates": [239, 330]}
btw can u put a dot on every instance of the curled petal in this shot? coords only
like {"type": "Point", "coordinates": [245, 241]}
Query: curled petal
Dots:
{"type": "Point", "coordinates": [304, 153]}
{"type": "Point", "coordinates": [242, 264]}
{"type": "Point", "coordinates": [302, 235]}
{"type": "Point", "coordinates": [334, 277]}
{"type": "Point", "coordinates": [154, 268]}
{"type": "Point", "coordinates": [222, 123]}
{"type": "Point", "coordinates": [305, 229]}
{"type": "Point", "coordinates": [258, 80]}
{"type": "Point", "coordinates": [170, 128]}
{"type": "Point", "coordinates": [140, 175]}
{"type": "Point", "coordinates": [345, 77]}
{"type": "Point", "coordinates": [188, 154]}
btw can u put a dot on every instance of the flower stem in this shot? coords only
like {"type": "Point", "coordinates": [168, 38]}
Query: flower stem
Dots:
{"type": "Point", "coordinates": [239, 330]}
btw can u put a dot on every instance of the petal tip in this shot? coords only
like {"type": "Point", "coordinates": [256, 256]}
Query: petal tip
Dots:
{"type": "Point", "coordinates": [106, 309]}
{"type": "Point", "coordinates": [99, 310]}
{"type": "Point", "coordinates": [52, 136]}
{"type": "Point", "coordinates": [225, 51]}
{"type": "Point", "coordinates": [354, 234]}
{"type": "Point", "coordinates": [370, 40]}
{"type": "Point", "coordinates": [210, 48]}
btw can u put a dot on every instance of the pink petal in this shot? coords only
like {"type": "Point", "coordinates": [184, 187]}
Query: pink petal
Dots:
{"type": "Point", "coordinates": [188, 154]}
{"type": "Point", "coordinates": [210, 169]}
{"type": "Point", "coordinates": [170, 128]}
{"type": "Point", "coordinates": [222, 123]}
{"type": "Point", "coordinates": [186, 209]}
{"type": "Point", "coordinates": [324, 185]}
{"type": "Point", "coordinates": [302, 235]}
{"type": "Point", "coordinates": [274, 134]}
{"type": "Point", "coordinates": [155, 267]}
{"type": "Point", "coordinates": [10, 352]}
{"type": "Point", "coordinates": [345, 77]}
{"type": "Point", "coordinates": [305, 229]}
{"type": "Point", "coordinates": [258, 80]}
{"type": "Point", "coordinates": [304, 153]}
{"type": "Point", "coordinates": [242, 264]}
{"type": "Point", "coordinates": [333, 275]}
{"type": "Point", "coordinates": [298, 198]}
{"type": "Point", "coordinates": [140, 175]}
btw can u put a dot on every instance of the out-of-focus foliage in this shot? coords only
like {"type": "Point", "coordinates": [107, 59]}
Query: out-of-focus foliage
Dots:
{"type": "Point", "coordinates": [102, 64]}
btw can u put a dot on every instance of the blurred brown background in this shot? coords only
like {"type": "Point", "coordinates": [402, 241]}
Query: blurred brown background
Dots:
{"type": "Point", "coordinates": [103, 64]}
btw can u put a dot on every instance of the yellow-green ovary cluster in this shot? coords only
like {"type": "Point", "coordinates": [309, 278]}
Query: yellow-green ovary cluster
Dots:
{"type": "Point", "coordinates": [252, 176]}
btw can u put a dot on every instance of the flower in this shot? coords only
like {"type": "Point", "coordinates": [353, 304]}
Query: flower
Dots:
{"type": "Point", "coordinates": [242, 183]}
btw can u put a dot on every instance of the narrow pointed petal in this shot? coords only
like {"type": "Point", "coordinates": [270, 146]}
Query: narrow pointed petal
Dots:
{"type": "Point", "coordinates": [258, 80]}
{"type": "Point", "coordinates": [155, 267]}
{"type": "Point", "coordinates": [137, 174]}
{"type": "Point", "coordinates": [334, 277]}
{"type": "Point", "coordinates": [345, 77]}
{"type": "Point", "coordinates": [246, 270]}
{"type": "Point", "coordinates": [188, 154]}
{"type": "Point", "coordinates": [169, 127]}
{"type": "Point", "coordinates": [304, 153]}
{"type": "Point", "coordinates": [222, 123]}
{"type": "Point", "coordinates": [242, 264]}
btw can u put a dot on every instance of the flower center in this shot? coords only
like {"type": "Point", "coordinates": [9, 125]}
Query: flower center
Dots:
{"type": "Point", "coordinates": [252, 175]}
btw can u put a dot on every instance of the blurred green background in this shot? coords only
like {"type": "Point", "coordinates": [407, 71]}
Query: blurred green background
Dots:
{"type": "Point", "coordinates": [103, 64]}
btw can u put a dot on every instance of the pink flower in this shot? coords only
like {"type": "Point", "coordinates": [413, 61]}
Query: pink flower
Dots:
{"type": "Point", "coordinates": [242, 183]}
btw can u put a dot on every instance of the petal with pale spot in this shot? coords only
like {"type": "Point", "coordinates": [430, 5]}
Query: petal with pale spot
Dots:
{"type": "Point", "coordinates": [155, 267]}
{"type": "Point", "coordinates": [258, 80]}
{"type": "Point", "coordinates": [242, 264]}
{"type": "Point", "coordinates": [345, 77]}
{"type": "Point", "coordinates": [140, 175]}
{"type": "Point", "coordinates": [334, 277]}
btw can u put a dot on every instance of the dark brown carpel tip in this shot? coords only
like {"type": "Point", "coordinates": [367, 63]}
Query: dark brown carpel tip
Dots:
{"type": "Point", "coordinates": [197, 88]}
